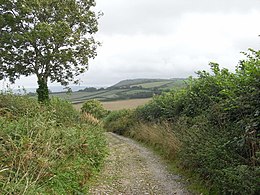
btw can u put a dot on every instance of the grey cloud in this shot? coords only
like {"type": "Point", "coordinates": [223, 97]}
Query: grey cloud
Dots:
{"type": "Point", "coordinates": [247, 42]}
{"type": "Point", "coordinates": [153, 16]}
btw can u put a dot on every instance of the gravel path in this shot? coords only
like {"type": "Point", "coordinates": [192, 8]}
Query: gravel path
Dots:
{"type": "Point", "coordinates": [133, 169]}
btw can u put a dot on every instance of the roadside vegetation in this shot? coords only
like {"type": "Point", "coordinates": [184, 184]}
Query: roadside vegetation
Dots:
{"type": "Point", "coordinates": [210, 128]}
{"type": "Point", "coordinates": [47, 149]}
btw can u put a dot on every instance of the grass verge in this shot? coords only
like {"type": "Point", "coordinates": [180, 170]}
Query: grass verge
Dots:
{"type": "Point", "coordinates": [162, 140]}
{"type": "Point", "coordinates": [46, 149]}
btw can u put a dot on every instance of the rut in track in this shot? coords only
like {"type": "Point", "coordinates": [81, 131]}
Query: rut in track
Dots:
{"type": "Point", "coordinates": [132, 169]}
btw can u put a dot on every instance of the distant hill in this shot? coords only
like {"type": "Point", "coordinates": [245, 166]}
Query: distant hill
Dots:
{"type": "Point", "coordinates": [146, 83]}
{"type": "Point", "coordinates": [126, 89]}
{"type": "Point", "coordinates": [130, 82]}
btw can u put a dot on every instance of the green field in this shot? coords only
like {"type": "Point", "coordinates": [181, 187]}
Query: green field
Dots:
{"type": "Point", "coordinates": [154, 84]}
{"type": "Point", "coordinates": [163, 84]}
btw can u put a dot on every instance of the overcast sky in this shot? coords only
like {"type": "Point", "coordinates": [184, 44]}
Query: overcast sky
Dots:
{"type": "Point", "coordinates": [168, 38]}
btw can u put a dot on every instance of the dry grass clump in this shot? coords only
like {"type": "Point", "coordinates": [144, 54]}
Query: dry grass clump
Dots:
{"type": "Point", "coordinates": [160, 136]}
{"type": "Point", "coordinates": [89, 118]}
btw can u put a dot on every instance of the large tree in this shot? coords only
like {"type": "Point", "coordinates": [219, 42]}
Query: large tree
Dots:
{"type": "Point", "coordinates": [52, 39]}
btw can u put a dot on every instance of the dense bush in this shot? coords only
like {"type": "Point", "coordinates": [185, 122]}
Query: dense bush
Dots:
{"type": "Point", "coordinates": [46, 149]}
{"type": "Point", "coordinates": [119, 121]}
{"type": "Point", "coordinates": [164, 107]}
{"type": "Point", "coordinates": [95, 108]}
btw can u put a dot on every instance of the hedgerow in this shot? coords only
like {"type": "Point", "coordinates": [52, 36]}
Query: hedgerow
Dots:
{"type": "Point", "coordinates": [216, 121]}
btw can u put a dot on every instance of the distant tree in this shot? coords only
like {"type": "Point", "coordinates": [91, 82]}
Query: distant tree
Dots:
{"type": "Point", "coordinates": [136, 87]}
{"type": "Point", "coordinates": [52, 39]}
{"type": "Point", "coordinates": [100, 89]}
{"type": "Point", "coordinates": [90, 89]}
{"type": "Point", "coordinates": [31, 94]}
{"type": "Point", "coordinates": [95, 108]}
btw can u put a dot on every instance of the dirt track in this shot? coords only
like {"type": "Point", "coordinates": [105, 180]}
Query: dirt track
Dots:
{"type": "Point", "coordinates": [133, 169]}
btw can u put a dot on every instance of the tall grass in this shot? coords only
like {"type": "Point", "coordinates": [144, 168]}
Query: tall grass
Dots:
{"type": "Point", "coordinates": [46, 149]}
{"type": "Point", "coordinates": [159, 136]}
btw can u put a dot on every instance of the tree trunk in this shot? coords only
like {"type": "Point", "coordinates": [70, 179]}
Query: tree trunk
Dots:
{"type": "Point", "coordinates": [43, 91]}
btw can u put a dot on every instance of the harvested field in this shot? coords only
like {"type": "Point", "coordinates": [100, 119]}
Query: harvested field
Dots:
{"type": "Point", "coordinates": [121, 104]}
